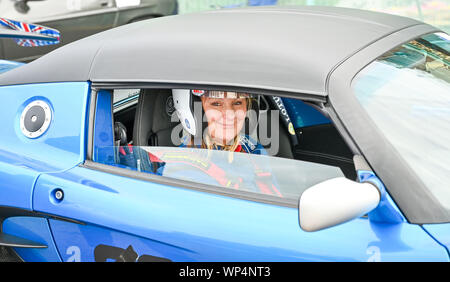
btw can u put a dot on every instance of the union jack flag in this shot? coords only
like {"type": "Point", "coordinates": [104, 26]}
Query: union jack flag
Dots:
{"type": "Point", "coordinates": [32, 28]}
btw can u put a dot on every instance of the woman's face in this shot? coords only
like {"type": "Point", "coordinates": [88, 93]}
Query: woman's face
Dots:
{"type": "Point", "coordinates": [225, 117]}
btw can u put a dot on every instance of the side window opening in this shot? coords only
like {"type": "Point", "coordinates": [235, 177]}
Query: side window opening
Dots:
{"type": "Point", "coordinates": [149, 136]}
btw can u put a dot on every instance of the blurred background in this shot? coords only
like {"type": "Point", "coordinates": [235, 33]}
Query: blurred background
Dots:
{"type": "Point", "coordinates": [76, 19]}
{"type": "Point", "coordinates": [434, 12]}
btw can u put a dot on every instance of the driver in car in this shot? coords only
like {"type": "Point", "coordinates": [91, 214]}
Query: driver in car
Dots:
{"type": "Point", "coordinates": [225, 114]}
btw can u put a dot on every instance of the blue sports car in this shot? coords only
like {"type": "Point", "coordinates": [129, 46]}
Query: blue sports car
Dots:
{"type": "Point", "coordinates": [249, 134]}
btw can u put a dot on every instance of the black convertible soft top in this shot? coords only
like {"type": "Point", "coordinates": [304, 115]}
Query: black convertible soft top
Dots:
{"type": "Point", "coordinates": [290, 49]}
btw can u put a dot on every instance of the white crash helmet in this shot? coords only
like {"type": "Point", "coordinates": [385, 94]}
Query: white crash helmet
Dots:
{"type": "Point", "coordinates": [183, 100]}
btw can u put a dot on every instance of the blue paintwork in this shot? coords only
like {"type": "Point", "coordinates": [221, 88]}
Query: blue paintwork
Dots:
{"type": "Point", "coordinates": [103, 129]}
{"type": "Point", "coordinates": [261, 2]}
{"type": "Point", "coordinates": [23, 160]}
{"type": "Point", "coordinates": [37, 230]}
{"type": "Point", "coordinates": [303, 115]}
{"type": "Point", "coordinates": [62, 146]}
{"type": "Point", "coordinates": [8, 65]}
{"type": "Point", "coordinates": [386, 211]}
{"type": "Point", "coordinates": [440, 232]}
{"type": "Point", "coordinates": [186, 225]}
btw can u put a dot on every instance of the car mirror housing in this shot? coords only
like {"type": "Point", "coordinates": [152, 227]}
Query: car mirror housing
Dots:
{"type": "Point", "coordinates": [336, 201]}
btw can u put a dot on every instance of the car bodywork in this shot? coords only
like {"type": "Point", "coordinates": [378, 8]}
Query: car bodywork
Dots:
{"type": "Point", "coordinates": [111, 213]}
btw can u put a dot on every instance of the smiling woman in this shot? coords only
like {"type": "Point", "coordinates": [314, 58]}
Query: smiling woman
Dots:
{"type": "Point", "coordinates": [225, 114]}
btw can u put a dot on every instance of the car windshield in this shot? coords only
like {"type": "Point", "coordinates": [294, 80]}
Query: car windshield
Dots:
{"type": "Point", "coordinates": [406, 92]}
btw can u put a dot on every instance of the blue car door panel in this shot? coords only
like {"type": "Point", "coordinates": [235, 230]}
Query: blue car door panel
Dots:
{"type": "Point", "coordinates": [134, 218]}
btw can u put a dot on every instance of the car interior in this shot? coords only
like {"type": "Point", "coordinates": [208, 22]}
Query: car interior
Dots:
{"type": "Point", "coordinates": [147, 121]}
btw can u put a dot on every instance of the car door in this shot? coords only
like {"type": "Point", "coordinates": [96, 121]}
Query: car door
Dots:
{"type": "Point", "coordinates": [75, 19]}
{"type": "Point", "coordinates": [114, 213]}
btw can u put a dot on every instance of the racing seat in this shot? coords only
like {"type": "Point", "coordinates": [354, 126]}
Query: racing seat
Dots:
{"type": "Point", "coordinates": [153, 121]}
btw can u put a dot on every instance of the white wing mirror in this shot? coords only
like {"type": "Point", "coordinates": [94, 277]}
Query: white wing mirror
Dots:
{"type": "Point", "coordinates": [336, 201]}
